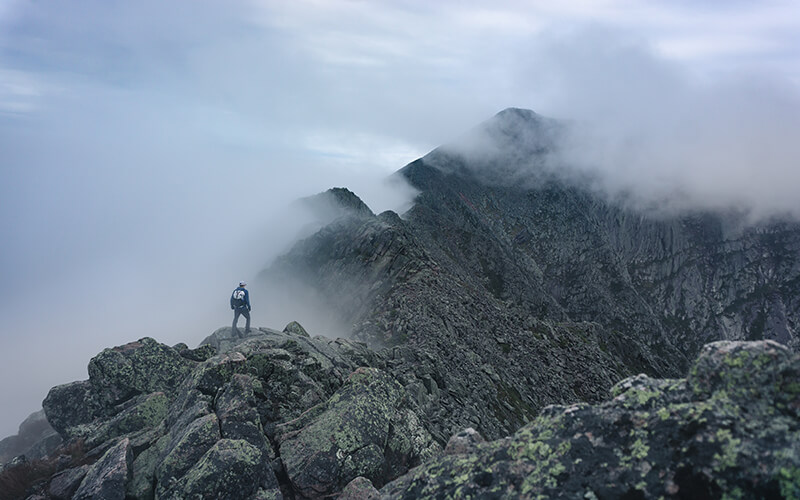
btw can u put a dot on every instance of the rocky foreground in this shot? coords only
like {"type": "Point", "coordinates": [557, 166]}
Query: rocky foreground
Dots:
{"type": "Point", "coordinates": [285, 415]}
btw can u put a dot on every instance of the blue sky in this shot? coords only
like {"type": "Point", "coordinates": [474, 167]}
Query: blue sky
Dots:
{"type": "Point", "coordinates": [147, 149]}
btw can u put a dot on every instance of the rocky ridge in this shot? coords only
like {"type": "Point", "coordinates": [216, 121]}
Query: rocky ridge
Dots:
{"type": "Point", "coordinates": [286, 415]}
{"type": "Point", "coordinates": [272, 415]}
{"type": "Point", "coordinates": [523, 287]}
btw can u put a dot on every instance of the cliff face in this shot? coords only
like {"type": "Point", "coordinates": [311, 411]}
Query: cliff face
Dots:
{"type": "Point", "coordinates": [669, 284]}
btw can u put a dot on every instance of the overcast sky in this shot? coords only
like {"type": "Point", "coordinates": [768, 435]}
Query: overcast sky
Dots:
{"type": "Point", "coordinates": [147, 148]}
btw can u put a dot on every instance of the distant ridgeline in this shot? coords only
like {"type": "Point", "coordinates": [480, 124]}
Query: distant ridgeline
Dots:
{"type": "Point", "coordinates": [508, 301]}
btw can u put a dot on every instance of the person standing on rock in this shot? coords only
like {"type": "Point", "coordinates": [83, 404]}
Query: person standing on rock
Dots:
{"type": "Point", "coordinates": [240, 303]}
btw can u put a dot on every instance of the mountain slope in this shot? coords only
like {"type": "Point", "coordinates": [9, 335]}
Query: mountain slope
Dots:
{"type": "Point", "coordinates": [514, 276]}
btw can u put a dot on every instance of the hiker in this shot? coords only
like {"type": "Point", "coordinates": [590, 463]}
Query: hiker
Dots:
{"type": "Point", "coordinates": [240, 303]}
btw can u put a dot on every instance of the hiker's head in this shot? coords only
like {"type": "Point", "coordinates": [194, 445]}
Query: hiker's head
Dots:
{"type": "Point", "coordinates": [242, 283]}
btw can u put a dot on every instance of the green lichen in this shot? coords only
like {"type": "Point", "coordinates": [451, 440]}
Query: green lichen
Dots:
{"type": "Point", "coordinates": [729, 447]}
{"type": "Point", "coordinates": [222, 470]}
{"type": "Point", "coordinates": [789, 481]}
{"type": "Point", "coordinates": [734, 494]}
{"type": "Point", "coordinates": [639, 449]}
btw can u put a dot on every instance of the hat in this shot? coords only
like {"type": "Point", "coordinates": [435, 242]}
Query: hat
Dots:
{"type": "Point", "coordinates": [243, 283]}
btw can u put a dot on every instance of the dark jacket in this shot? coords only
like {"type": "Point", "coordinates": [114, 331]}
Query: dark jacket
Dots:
{"type": "Point", "coordinates": [239, 302]}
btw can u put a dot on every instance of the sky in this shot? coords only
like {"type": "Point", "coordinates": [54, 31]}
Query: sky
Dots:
{"type": "Point", "coordinates": [149, 149]}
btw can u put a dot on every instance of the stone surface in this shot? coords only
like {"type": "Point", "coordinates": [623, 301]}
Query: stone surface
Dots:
{"type": "Point", "coordinates": [231, 469]}
{"type": "Point", "coordinates": [186, 448]}
{"type": "Point", "coordinates": [465, 441]}
{"type": "Point", "coordinates": [731, 430]}
{"type": "Point", "coordinates": [64, 484]}
{"type": "Point", "coordinates": [295, 328]}
{"type": "Point", "coordinates": [147, 411]}
{"type": "Point", "coordinates": [359, 488]}
{"type": "Point", "coordinates": [140, 367]}
{"type": "Point", "coordinates": [361, 431]}
{"type": "Point", "coordinates": [70, 408]}
{"type": "Point", "coordinates": [107, 478]}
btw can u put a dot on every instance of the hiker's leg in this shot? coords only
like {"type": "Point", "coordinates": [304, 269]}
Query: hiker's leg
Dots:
{"type": "Point", "coordinates": [235, 320]}
{"type": "Point", "coordinates": [246, 315]}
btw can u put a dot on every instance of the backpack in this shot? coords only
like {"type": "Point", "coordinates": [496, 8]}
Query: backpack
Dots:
{"type": "Point", "coordinates": [238, 298]}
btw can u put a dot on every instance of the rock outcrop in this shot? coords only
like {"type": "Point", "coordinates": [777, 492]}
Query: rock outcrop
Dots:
{"type": "Point", "coordinates": [272, 415]}
{"type": "Point", "coordinates": [288, 415]}
{"type": "Point", "coordinates": [731, 429]}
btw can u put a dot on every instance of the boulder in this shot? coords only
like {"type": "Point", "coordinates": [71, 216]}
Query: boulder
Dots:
{"type": "Point", "coordinates": [148, 411]}
{"type": "Point", "coordinates": [732, 429]}
{"type": "Point", "coordinates": [359, 488]}
{"type": "Point", "coordinates": [466, 441]}
{"type": "Point", "coordinates": [141, 367]}
{"type": "Point", "coordinates": [236, 409]}
{"type": "Point", "coordinates": [108, 477]}
{"type": "Point", "coordinates": [231, 469]}
{"type": "Point", "coordinates": [71, 408]}
{"type": "Point", "coordinates": [185, 449]}
{"type": "Point", "coordinates": [64, 484]}
{"type": "Point", "coordinates": [365, 429]}
{"type": "Point", "coordinates": [144, 471]}
{"type": "Point", "coordinates": [295, 328]}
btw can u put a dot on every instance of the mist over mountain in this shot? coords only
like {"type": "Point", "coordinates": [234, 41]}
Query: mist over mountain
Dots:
{"type": "Point", "coordinates": [511, 299]}
{"type": "Point", "coordinates": [494, 205]}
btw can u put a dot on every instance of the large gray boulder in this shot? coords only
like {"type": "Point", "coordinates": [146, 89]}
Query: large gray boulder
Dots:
{"type": "Point", "coordinates": [107, 478]}
{"type": "Point", "coordinates": [231, 469]}
{"type": "Point", "coordinates": [141, 367]}
{"type": "Point", "coordinates": [64, 484]}
{"type": "Point", "coordinates": [366, 429]}
{"type": "Point", "coordinates": [116, 377]}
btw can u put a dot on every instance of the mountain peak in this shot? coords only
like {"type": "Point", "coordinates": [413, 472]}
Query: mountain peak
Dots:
{"type": "Point", "coordinates": [517, 113]}
{"type": "Point", "coordinates": [334, 203]}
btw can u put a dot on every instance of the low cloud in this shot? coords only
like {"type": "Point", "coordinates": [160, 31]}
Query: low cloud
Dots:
{"type": "Point", "coordinates": [623, 121]}
{"type": "Point", "coordinates": [648, 130]}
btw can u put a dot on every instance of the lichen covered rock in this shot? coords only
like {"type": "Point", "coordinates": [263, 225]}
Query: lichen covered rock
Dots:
{"type": "Point", "coordinates": [71, 407]}
{"type": "Point", "coordinates": [140, 367]}
{"type": "Point", "coordinates": [108, 477]}
{"type": "Point", "coordinates": [466, 441]}
{"type": "Point", "coordinates": [64, 484]}
{"type": "Point", "coordinates": [117, 376]}
{"type": "Point", "coordinates": [231, 469]}
{"type": "Point", "coordinates": [147, 411]}
{"type": "Point", "coordinates": [363, 430]}
{"type": "Point", "coordinates": [186, 448]}
{"type": "Point", "coordinates": [359, 488]}
{"type": "Point", "coordinates": [732, 429]}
